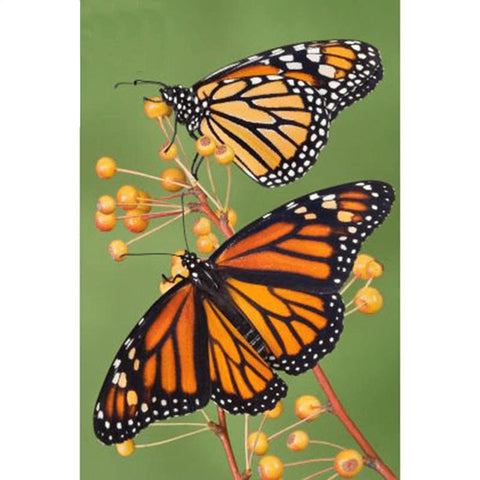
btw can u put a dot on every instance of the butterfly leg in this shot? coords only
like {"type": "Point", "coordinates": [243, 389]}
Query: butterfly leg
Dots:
{"type": "Point", "coordinates": [196, 165]}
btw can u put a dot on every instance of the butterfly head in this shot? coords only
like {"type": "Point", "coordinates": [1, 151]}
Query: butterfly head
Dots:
{"type": "Point", "coordinates": [185, 103]}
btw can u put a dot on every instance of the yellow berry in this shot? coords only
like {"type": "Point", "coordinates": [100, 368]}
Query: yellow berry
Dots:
{"type": "Point", "coordinates": [257, 443]}
{"type": "Point", "coordinates": [368, 300]}
{"type": "Point", "coordinates": [202, 226]}
{"type": "Point", "coordinates": [308, 406]}
{"type": "Point", "coordinates": [176, 260]}
{"type": "Point", "coordinates": [104, 222]}
{"type": "Point", "coordinates": [171, 177]}
{"type": "Point", "coordinates": [170, 154]}
{"type": "Point", "coordinates": [125, 448]}
{"type": "Point", "coordinates": [127, 197]}
{"type": "Point", "coordinates": [231, 216]}
{"type": "Point", "coordinates": [270, 468]}
{"type": "Point", "coordinates": [106, 167]}
{"type": "Point", "coordinates": [298, 441]}
{"type": "Point", "coordinates": [224, 154]}
{"type": "Point", "coordinates": [155, 107]}
{"type": "Point", "coordinates": [360, 266]}
{"type": "Point", "coordinates": [348, 463]}
{"type": "Point", "coordinates": [144, 197]}
{"type": "Point", "coordinates": [374, 269]}
{"type": "Point", "coordinates": [179, 269]}
{"type": "Point", "coordinates": [117, 250]}
{"type": "Point", "coordinates": [135, 222]}
{"type": "Point", "coordinates": [106, 204]}
{"type": "Point", "coordinates": [205, 244]}
{"type": "Point", "coordinates": [164, 286]}
{"type": "Point", "coordinates": [205, 146]}
{"type": "Point", "coordinates": [275, 412]}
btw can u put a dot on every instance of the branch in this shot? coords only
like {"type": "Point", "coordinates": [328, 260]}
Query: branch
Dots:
{"type": "Point", "coordinates": [372, 460]}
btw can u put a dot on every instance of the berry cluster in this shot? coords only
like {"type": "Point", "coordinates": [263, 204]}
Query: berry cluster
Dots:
{"type": "Point", "coordinates": [136, 208]}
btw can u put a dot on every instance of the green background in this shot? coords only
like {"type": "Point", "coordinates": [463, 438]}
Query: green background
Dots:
{"type": "Point", "coordinates": [180, 42]}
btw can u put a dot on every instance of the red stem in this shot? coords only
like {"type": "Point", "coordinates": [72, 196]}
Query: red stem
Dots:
{"type": "Point", "coordinates": [372, 460]}
{"type": "Point", "coordinates": [150, 216]}
{"type": "Point", "coordinates": [222, 433]}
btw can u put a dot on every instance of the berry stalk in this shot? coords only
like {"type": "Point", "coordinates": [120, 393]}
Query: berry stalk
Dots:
{"type": "Point", "coordinates": [373, 460]}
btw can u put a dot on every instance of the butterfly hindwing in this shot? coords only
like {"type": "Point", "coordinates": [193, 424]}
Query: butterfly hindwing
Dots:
{"type": "Point", "coordinates": [242, 381]}
{"type": "Point", "coordinates": [160, 371]}
{"type": "Point", "coordinates": [275, 125]}
{"type": "Point", "coordinates": [298, 329]}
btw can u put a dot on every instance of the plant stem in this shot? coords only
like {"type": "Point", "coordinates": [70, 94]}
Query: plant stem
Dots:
{"type": "Point", "coordinates": [372, 460]}
{"type": "Point", "coordinates": [221, 431]}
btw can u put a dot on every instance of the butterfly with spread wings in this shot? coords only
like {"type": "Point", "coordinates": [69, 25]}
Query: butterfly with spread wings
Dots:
{"type": "Point", "coordinates": [275, 108]}
{"type": "Point", "coordinates": [268, 299]}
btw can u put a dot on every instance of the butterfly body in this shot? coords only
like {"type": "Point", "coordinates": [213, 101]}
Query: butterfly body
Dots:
{"type": "Point", "coordinates": [275, 108]}
{"type": "Point", "coordinates": [267, 299]}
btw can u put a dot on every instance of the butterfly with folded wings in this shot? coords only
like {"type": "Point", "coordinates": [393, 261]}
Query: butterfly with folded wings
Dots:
{"type": "Point", "coordinates": [267, 300]}
{"type": "Point", "coordinates": [275, 108]}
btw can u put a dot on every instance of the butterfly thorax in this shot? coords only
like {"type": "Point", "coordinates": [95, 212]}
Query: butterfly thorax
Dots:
{"type": "Point", "coordinates": [201, 273]}
{"type": "Point", "coordinates": [186, 104]}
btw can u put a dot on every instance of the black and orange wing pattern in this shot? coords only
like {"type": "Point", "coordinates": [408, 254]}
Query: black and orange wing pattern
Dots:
{"type": "Point", "coordinates": [160, 371]}
{"type": "Point", "coordinates": [284, 271]}
{"type": "Point", "coordinates": [275, 108]}
{"type": "Point", "coordinates": [343, 71]}
{"type": "Point", "coordinates": [276, 126]}
{"type": "Point", "coordinates": [242, 381]}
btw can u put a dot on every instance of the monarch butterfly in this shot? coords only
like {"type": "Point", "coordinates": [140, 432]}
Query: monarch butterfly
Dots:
{"type": "Point", "coordinates": [267, 299]}
{"type": "Point", "coordinates": [274, 108]}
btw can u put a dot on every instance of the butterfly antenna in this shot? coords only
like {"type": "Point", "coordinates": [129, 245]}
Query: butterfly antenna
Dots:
{"type": "Point", "coordinates": [149, 254]}
{"type": "Point", "coordinates": [141, 82]}
{"type": "Point", "coordinates": [183, 223]}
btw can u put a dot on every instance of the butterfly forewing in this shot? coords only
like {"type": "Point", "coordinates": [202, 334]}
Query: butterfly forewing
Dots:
{"type": "Point", "coordinates": [160, 371]}
{"type": "Point", "coordinates": [342, 70]}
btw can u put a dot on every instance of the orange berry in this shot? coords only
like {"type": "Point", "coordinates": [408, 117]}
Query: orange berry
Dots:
{"type": "Point", "coordinates": [224, 154]}
{"type": "Point", "coordinates": [202, 226]}
{"type": "Point", "coordinates": [164, 286]}
{"type": "Point", "coordinates": [156, 108]}
{"type": "Point", "coordinates": [360, 266]}
{"type": "Point", "coordinates": [308, 406]}
{"type": "Point", "coordinates": [298, 441]}
{"type": "Point", "coordinates": [104, 221]}
{"type": "Point", "coordinates": [348, 463]}
{"type": "Point", "coordinates": [368, 300]}
{"type": "Point", "coordinates": [106, 204]}
{"type": "Point", "coordinates": [257, 443]}
{"type": "Point", "coordinates": [374, 269]}
{"type": "Point", "coordinates": [170, 178]}
{"type": "Point", "coordinates": [179, 269]}
{"type": "Point", "coordinates": [135, 222]}
{"type": "Point", "coordinates": [117, 250]}
{"type": "Point", "coordinates": [205, 244]}
{"type": "Point", "coordinates": [275, 412]}
{"type": "Point", "coordinates": [127, 197]}
{"type": "Point", "coordinates": [270, 468]}
{"type": "Point", "coordinates": [170, 154]}
{"type": "Point", "coordinates": [231, 216]}
{"type": "Point", "coordinates": [106, 167]}
{"type": "Point", "coordinates": [205, 146]}
{"type": "Point", "coordinates": [176, 260]}
{"type": "Point", "coordinates": [143, 197]}
{"type": "Point", "coordinates": [125, 448]}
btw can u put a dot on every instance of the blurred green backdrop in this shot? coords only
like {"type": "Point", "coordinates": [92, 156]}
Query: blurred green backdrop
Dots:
{"type": "Point", "coordinates": [180, 42]}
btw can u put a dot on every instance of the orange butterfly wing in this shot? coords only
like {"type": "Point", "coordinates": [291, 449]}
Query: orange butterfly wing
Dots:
{"type": "Point", "coordinates": [284, 272]}
{"type": "Point", "coordinates": [242, 381]}
{"type": "Point", "coordinates": [160, 371]}
{"type": "Point", "coordinates": [276, 126]}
